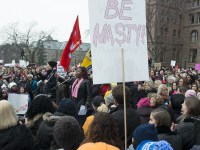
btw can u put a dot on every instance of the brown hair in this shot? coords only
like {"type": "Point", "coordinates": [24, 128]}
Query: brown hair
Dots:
{"type": "Point", "coordinates": [103, 129]}
{"type": "Point", "coordinates": [117, 93]}
{"type": "Point", "coordinates": [193, 105]}
{"type": "Point", "coordinates": [162, 117]}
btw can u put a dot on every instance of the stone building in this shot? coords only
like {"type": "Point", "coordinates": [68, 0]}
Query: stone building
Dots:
{"type": "Point", "coordinates": [173, 27]}
{"type": "Point", "coordinates": [191, 30]}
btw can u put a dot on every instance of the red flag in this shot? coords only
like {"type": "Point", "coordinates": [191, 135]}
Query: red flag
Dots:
{"type": "Point", "coordinates": [72, 45]}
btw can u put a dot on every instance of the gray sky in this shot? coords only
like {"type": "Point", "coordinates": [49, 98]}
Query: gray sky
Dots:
{"type": "Point", "coordinates": [58, 15]}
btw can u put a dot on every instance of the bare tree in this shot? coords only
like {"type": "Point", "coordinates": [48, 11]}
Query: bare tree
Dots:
{"type": "Point", "coordinates": [163, 24]}
{"type": "Point", "coordinates": [26, 42]}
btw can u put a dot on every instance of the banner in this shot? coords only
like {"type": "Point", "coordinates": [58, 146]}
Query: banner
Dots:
{"type": "Point", "coordinates": [197, 66]}
{"type": "Point", "coordinates": [117, 25]}
{"type": "Point", "coordinates": [19, 102]}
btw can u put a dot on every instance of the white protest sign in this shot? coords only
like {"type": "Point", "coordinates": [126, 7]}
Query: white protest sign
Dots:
{"type": "Point", "coordinates": [1, 61]}
{"type": "Point", "coordinates": [116, 25]}
{"type": "Point", "coordinates": [19, 102]}
{"type": "Point", "coordinates": [173, 63]}
{"type": "Point", "coordinates": [22, 63]}
{"type": "Point", "coordinates": [60, 70]}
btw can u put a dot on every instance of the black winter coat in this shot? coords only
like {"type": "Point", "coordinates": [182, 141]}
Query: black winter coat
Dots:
{"type": "Point", "coordinates": [190, 135]}
{"type": "Point", "coordinates": [164, 133]}
{"type": "Point", "coordinates": [84, 96]}
{"type": "Point", "coordinates": [44, 138]}
{"type": "Point", "coordinates": [16, 138]}
{"type": "Point", "coordinates": [52, 82]}
{"type": "Point", "coordinates": [144, 113]}
{"type": "Point", "coordinates": [133, 120]}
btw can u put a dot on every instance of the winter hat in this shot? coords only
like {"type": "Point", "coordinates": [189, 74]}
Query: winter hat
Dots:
{"type": "Point", "coordinates": [143, 102]}
{"type": "Point", "coordinates": [190, 93]}
{"type": "Point", "coordinates": [67, 133]}
{"type": "Point", "coordinates": [10, 85]}
{"type": "Point", "coordinates": [67, 107]}
{"type": "Point", "coordinates": [145, 132]}
{"type": "Point", "coordinates": [109, 99]}
{"type": "Point", "coordinates": [40, 105]}
{"type": "Point", "coordinates": [149, 145]}
{"type": "Point", "coordinates": [97, 101]}
{"type": "Point", "coordinates": [52, 64]}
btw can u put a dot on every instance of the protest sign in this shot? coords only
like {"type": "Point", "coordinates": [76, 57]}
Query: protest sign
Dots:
{"type": "Point", "coordinates": [117, 25]}
{"type": "Point", "coordinates": [173, 63]}
{"type": "Point", "coordinates": [19, 102]}
{"type": "Point", "coordinates": [60, 70]}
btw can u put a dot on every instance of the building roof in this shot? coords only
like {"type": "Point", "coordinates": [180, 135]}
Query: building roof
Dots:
{"type": "Point", "coordinates": [83, 46]}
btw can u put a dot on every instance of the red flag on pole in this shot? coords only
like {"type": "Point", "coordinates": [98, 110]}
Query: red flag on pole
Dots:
{"type": "Point", "coordinates": [73, 43]}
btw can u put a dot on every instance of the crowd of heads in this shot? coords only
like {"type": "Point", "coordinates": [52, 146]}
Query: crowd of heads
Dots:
{"type": "Point", "coordinates": [162, 105]}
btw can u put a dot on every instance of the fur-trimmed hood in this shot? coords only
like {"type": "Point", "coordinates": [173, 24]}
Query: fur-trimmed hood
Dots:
{"type": "Point", "coordinates": [31, 122]}
{"type": "Point", "coordinates": [50, 118]}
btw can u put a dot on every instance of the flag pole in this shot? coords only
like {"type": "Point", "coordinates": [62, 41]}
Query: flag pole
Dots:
{"type": "Point", "coordinates": [124, 94]}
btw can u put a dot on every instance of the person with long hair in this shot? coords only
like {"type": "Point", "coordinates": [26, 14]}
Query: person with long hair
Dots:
{"type": "Point", "coordinates": [102, 134]}
{"type": "Point", "coordinates": [188, 123]}
{"type": "Point", "coordinates": [162, 121]}
{"type": "Point", "coordinates": [13, 135]}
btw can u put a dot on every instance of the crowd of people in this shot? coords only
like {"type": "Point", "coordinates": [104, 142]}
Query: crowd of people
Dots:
{"type": "Point", "coordinates": [73, 113]}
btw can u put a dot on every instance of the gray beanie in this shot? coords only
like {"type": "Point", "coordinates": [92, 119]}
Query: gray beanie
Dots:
{"type": "Point", "coordinates": [67, 133]}
{"type": "Point", "coordinates": [109, 100]}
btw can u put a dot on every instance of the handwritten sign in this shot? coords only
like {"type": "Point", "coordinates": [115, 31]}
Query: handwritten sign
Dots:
{"type": "Point", "coordinates": [19, 102]}
{"type": "Point", "coordinates": [116, 25]}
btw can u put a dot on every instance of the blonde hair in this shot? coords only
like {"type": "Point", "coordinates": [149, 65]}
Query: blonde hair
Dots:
{"type": "Point", "coordinates": [102, 108]}
{"type": "Point", "coordinates": [8, 116]}
{"type": "Point", "coordinates": [160, 88]}
{"type": "Point", "coordinates": [157, 99]}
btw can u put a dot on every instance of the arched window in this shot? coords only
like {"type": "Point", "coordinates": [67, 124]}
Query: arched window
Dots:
{"type": "Point", "coordinates": [194, 36]}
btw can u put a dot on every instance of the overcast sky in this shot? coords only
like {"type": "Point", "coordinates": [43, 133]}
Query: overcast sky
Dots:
{"type": "Point", "coordinates": [58, 15]}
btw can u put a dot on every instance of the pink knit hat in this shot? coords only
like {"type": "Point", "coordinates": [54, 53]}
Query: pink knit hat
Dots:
{"type": "Point", "coordinates": [143, 102]}
{"type": "Point", "coordinates": [190, 93]}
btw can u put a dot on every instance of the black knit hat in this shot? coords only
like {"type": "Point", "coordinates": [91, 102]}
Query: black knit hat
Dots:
{"type": "Point", "coordinates": [67, 107]}
{"type": "Point", "coordinates": [67, 133]}
{"type": "Point", "coordinates": [40, 105]}
{"type": "Point", "coordinates": [97, 101]}
{"type": "Point", "coordinates": [52, 64]}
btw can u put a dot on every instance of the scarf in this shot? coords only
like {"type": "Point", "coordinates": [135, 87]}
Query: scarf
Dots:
{"type": "Point", "coordinates": [75, 87]}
